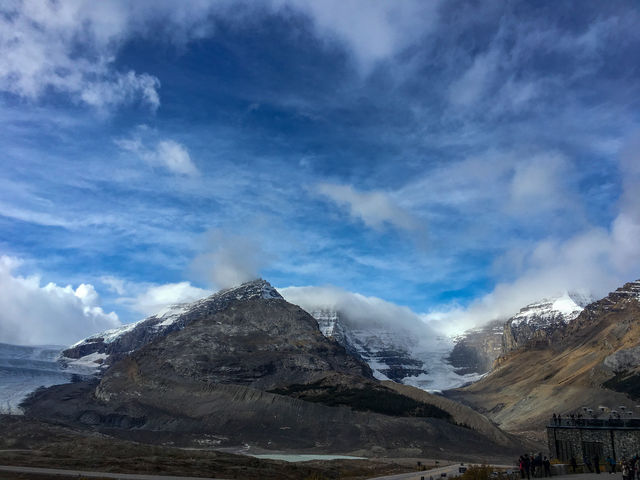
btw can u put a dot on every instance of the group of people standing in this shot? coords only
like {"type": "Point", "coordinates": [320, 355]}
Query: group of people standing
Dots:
{"type": "Point", "coordinates": [535, 466]}
{"type": "Point", "coordinates": [630, 467]}
{"type": "Point", "coordinates": [571, 419]}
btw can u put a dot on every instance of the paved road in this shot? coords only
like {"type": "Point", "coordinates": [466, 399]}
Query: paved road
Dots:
{"type": "Point", "coordinates": [590, 476]}
{"type": "Point", "coordinates": [452, 471]}
{"type": "Point", "coordinates": [435, 473]}
{"type": "Point", "coordinates": [78, 473]}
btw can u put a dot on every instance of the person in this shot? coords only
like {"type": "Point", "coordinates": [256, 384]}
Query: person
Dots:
{"type": "Point", "coordinates": [596, 463]}
{"type": "Point", "coordinates": [527, 466]}
{"type": "Point", "coordinates": [587, 463]}
{"type": "Point", "coordinates": [574, 464]}
{"type": "Point", "coordinates": [555, 419]}
{"type": "Point", "coordinates": [521, 466]}
{"type": "Point", "coordinates": [547, 467]}
{"type": "Point", "coordinates": [625, 470]}
{"type": "Point", "coordinates": [612, 464]}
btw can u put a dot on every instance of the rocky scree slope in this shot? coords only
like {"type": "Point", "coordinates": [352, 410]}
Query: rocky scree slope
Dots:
{"type": "Point", "coordinates": [258, 371]}
{"type": "Point", "coordinates": [588, 363]}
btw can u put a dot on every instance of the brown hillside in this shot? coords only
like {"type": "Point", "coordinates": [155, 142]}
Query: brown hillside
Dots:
{"type": "Point", "coordinates": [530, 384]}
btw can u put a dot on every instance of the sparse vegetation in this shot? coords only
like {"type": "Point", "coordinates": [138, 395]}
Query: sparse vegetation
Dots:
{"type": "Point", "coordinates": [483, 472]}
{"type": "Point", "coordinates": [367, 398]}
{"type": "Point", "coordinates": [37, 444]}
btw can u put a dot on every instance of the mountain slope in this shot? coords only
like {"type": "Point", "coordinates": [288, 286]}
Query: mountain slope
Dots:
{"type": "Point", "coordinates": [258, 371]}
{"type": "Point", "coordinates": [476, 349]}
{"type": "Point", "coordinates": [538, 379]}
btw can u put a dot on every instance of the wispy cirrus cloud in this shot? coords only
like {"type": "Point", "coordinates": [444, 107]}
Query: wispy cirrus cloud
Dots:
{"type": "Point", "coordinates": [164, 153]}
{"type": "Point", "coordinates": [39, 50]}
{"type": "Point", "coordinates": [375, 208]}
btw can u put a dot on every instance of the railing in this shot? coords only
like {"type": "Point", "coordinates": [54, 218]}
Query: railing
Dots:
{"type": "Point", "coordinates": [596, 422]}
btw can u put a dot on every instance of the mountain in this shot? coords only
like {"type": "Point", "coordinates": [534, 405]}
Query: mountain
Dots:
{"type": "Point", "coordinates": [477, 349]}
{"type": "Point", "coordinates": [394, 353]}
{"type": "Point", "coordinates": [591, 361]}
{"type": "Point", "coordinates": [387, 352]}
{"type": "Point", "coordinates": [541, 320]}
{"type": "Point", "coordinates": [244, 366]}
{"type": "Point", "coordinates": [103, 349]}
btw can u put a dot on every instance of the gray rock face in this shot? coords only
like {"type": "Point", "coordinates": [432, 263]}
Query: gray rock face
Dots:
{"type": "Point", "coordinates": [477, 349]}
{"type": "Point", "coordinates": [622, 360]}
{"type": "Point", "coordinates": [259, 342]}
{"type": "Point", "coordinates": [388, 353]}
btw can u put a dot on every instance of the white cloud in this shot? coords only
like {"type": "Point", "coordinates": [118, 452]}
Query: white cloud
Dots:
{"type": "Point", "coordinates": [525, 184]}
{"type": "Point", "coordinates": [156, 297]}
{"type": "Point", "coordinates": [167, 154]}
{"type": "Point", "coordinates": [596, 260]}
{"type": "Point", "coordinates": [230, 259]}
{"type": "Point", "coordinates": [537, 184]}
{"type": "Point", "coordinates": [114, 284]}
{"type": "Point", "coordinates": [467, 89]}
{"type": "Point", "coordinates": [494, 79]}
{"type": "Point", "coordinates": [361, 310]}
{"type": "Point", "coordinates": [122, 89]}
{"type": "Point", "coordinates": [149, 298]}
{"type": "Point", "coordinates": [34, 314]}
{"type": "Point", "coordinates": [175, 157]}
{"type": "Point", "coordinates": [374, 208]}
{"type": "Point", "coordinates": [69, 47]}
{"type": "Point", "coordinates": [373, 30]}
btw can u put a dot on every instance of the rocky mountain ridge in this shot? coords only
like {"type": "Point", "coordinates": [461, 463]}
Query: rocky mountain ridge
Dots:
{"type": "Point", "coordinates": [255, 369]}
{"type": "Point", "coordinates": [104, 348]}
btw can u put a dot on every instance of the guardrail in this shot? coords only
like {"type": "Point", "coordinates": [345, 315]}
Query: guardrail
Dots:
{"type": "Point", "coordinates": [596, 422]}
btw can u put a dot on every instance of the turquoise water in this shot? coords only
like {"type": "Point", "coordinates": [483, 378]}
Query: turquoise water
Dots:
{"type": "Point", "coordinates": [304, 458]}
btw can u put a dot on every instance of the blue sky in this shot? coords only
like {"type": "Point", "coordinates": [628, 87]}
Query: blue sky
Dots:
{"type": "Point", "coordinates": [457, 158]}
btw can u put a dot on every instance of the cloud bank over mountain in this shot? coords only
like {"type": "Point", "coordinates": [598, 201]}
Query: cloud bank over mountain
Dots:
{"type": "Point", "coordinates": [31, 313]}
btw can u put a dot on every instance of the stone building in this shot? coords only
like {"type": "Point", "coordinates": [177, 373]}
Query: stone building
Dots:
{"type": "Point", "coordinates": [579, 437]}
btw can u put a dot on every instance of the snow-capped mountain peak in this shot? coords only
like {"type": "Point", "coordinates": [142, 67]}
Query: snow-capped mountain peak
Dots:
{"type": "Point", "coordinates": [119, 341]}
{"type": "Point", "coordinates": [541, 320]}
{"type": "Point", "coordinates": [564, 307]}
